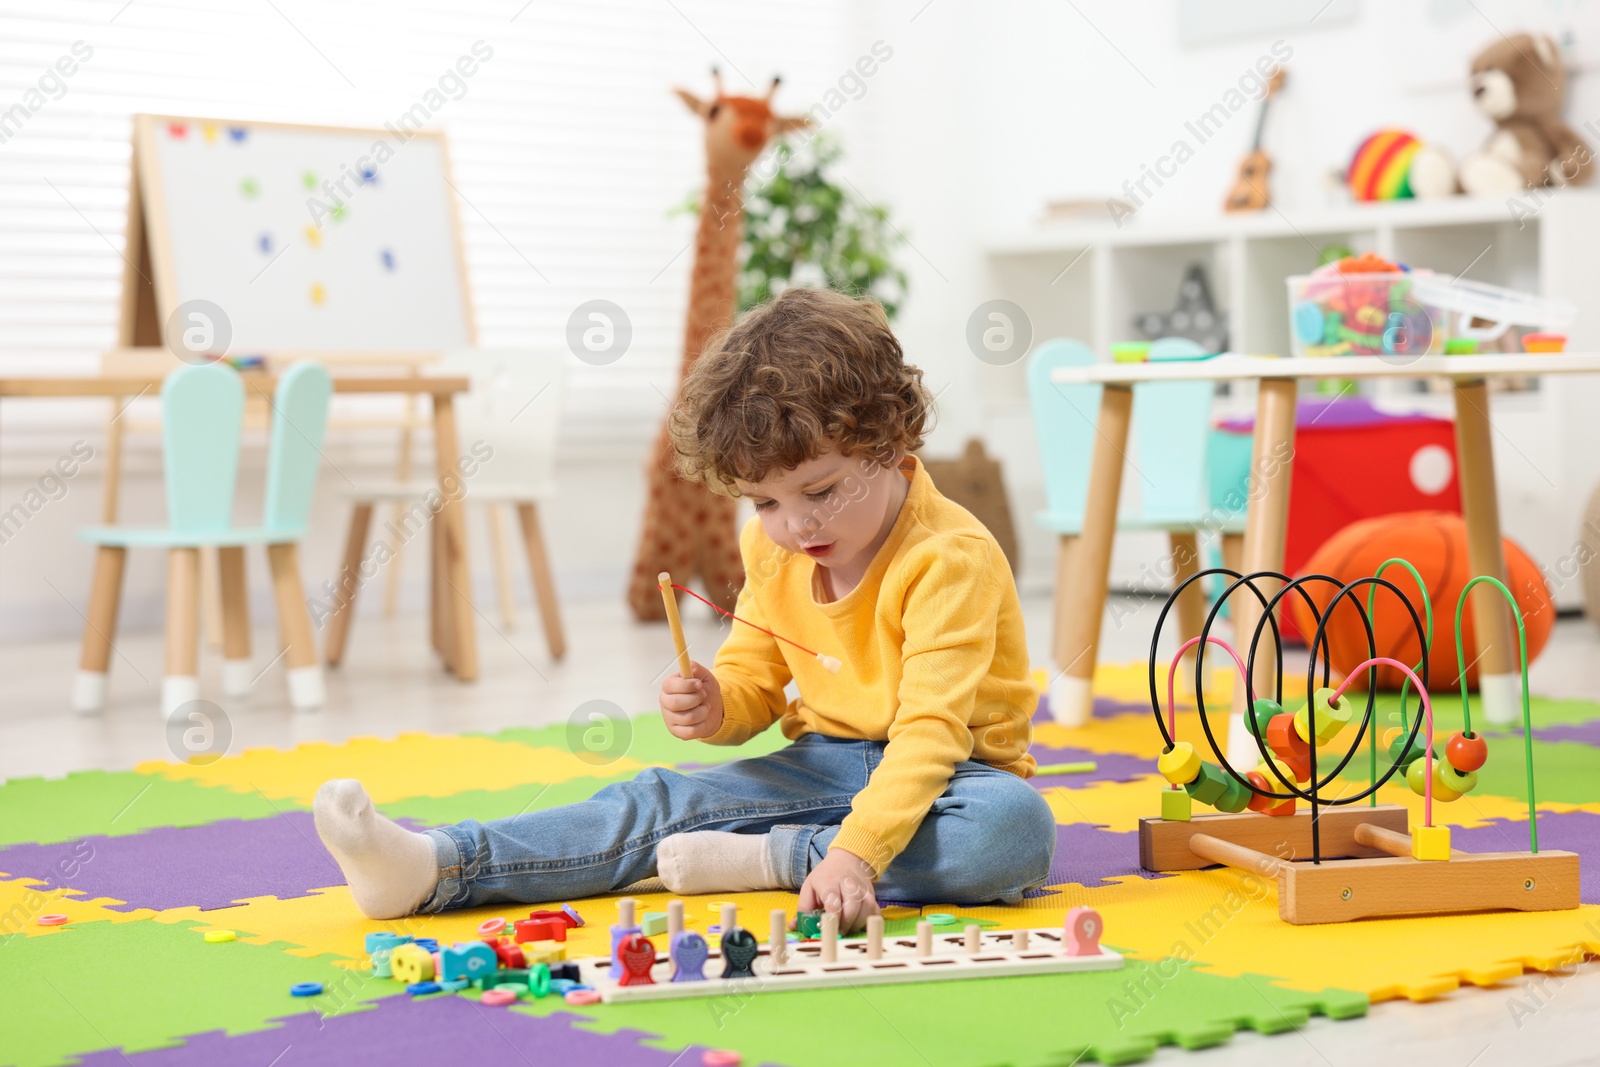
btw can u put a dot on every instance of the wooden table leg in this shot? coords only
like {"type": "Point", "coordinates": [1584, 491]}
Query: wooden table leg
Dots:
{"type": "Point", "coordinates": [1072, 691]}
{"type": "Point", "coordinates": [89, 689]}
{"type": "Point", "coordinates": [234, 591]}
{"type": "Point", "coordinates": [1062, 607]}
{"type": "Point", "coordinates": [1499, 669]}
{"type": "Point", "coordinates": [452, 529]}
{"type": "Point", "coordinates": [1266, 522]}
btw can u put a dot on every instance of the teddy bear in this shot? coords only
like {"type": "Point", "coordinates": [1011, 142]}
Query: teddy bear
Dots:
{"type": "Point", "coordinates": [1518, 82]}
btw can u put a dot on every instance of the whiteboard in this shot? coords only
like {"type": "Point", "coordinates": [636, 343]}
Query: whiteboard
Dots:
{"type": "Point", "coordinates": [307, 238]}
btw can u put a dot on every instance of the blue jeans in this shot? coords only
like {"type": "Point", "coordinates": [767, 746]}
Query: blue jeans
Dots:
{"type": "Point", "coordinates": [989, 837]}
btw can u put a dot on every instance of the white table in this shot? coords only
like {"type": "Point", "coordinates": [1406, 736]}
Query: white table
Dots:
{"type": "Point", "coordinates": [1265, 521]}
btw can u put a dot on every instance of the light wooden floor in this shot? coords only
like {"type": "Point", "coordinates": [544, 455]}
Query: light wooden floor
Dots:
{"type": "Point", "coordinates": [391, 683]}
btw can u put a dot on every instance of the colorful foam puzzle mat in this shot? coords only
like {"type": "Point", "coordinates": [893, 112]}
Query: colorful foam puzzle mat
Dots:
{"type": "Point", "coordinates": [144, 863]}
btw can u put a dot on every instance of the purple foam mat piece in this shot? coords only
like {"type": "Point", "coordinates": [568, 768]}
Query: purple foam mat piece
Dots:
{"type": "Point", "coordinates": [1584, 733]}
{"type": "Point", "coordinates": [1104, 708]}
{"type": "Point", "coordinates": [436, 1029]}
{"type": "Point", "coordinates": [1110, 766]}
{"type": "Point", "coordinates": [1570, 831]}
{"type": "Point", "coordinates": [1089, 855]}
{"type": "Point", "coordinates": [209, 866]}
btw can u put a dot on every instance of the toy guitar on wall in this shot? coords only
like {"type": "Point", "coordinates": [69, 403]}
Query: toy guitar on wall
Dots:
{"type": "Point", "coordinates": [1249, 192]}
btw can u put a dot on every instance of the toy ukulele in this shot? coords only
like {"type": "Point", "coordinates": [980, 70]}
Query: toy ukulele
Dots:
{"type": "Point", "coordinates": [1249, 191]}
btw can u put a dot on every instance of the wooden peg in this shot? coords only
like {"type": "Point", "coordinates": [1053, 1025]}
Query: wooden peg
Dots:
{"type": "Point", "coordinates": [1019, 941]}
{"type": "Point", "coordinates": [974, 938]}
{"type": "Point", "coordinates": [668, 597]}
{"type": "Point", "coordinates": [674, 919]}
{"type": "Point", "coordinates": [924, 938]}
{"type": "Point", "coordinates": [830, 938]}
{"type": "Point", "coordinates": [625, 911]}
{"type": "Point", "coordinates": [875, 937]}
{"type": "Point", "coordinates": [730, 917]}
{"type": "Point", "coordinates": [778, 938]}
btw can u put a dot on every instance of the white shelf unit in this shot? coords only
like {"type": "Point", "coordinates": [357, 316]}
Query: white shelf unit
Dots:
{"type": "Point", "coordinates": [1088, 281]}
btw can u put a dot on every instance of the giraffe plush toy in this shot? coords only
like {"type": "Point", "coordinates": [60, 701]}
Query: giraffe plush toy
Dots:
{"type": "Point", "coordinates": [689, 530]}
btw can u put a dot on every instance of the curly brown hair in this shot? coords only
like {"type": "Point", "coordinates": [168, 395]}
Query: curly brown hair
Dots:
{"type": "Point", "coordinates": [810, 369]}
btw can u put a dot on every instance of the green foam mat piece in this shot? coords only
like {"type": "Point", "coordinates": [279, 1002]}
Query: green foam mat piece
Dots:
{"type": "Point", "coordinates": [144, 985]}
{"type": "Point", "coordinates": [116, 803]}
{"type": "Point", "coordinates": [1111, 1017]}
{"type": "Point", "coordinates": [650, 742]}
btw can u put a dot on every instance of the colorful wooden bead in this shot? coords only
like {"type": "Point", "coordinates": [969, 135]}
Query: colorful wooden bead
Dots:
{"type": "Point", "coordinates": [1466, 753]}
{"type": "Point", "coordinates": [1179, 764]}
{"type": "Point", "coordinates": [1417, 779]}
{"type": "Point", "coordinates": [1262, 712]}
{"type": "Point", "coordinates": [638, 956]}
{"type": "Point", "coordinates": [470, 961]}
{"type": "Point", "coordinates": [1235, 797]}
{"type": "Point", "coordinates": [498, 997]}
{"type": "Point", "coordinates": [491, 927]}
{"type": "Point", "coordinates": [1455, 781]}
{"type": "Point", "coordinates": [1430, 842]}
{"type": "Point", "coordinates": [1331, 717]}
{"type": "Point", "coordinates": [1289, 747]}
{"type": "Point", "coordinates": [689, 954]}
{"type": "Point", "coordinates": [739, 949]}
{"type": "Point", "coordinates": [1083, 928]}
{"type": "Point", "coordinates": [1259, 785]}
{"type": "Point", "coordinates": [539, 980]}
{"type": "Point", "coordinates": [1175, 805]}
{"type": "Point", "coordinates": [1209, 785]}
{"type": "Point", "coordinates": [411, 963]}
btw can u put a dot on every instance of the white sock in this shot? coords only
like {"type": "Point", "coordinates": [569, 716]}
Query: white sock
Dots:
{"type": "Point", "coordinates": [390, 869]}
{"type": "Point", "coordinates": [715, 861]}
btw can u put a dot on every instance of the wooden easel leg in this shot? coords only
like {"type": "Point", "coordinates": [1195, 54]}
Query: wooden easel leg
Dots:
{"type": "Point", "coordinates": [306, 686]}
{"type": "Point", "coordinates": [182, 681]}
{"type": "Point", "coordinates": [1071, 694]}
{"type": "Point", "coordinates": [1266, 521]}
{"type": "Point", "coordinates": [349, 583]}
{"type": "Point", "coordinates": [544, 586]}
{"type": "Point", "coordinates": [99, 627]}
{"type": "Point", "coordinates": [234, 591]}
{"type": "Point", "coordinates": [1499, 682]}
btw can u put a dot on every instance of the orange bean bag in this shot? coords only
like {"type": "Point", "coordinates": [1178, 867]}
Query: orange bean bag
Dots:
{"type": "Point", "coordinates": [1434, 542]}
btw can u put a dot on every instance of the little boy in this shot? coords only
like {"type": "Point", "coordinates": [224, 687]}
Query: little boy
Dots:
{"type": "Point", "coordinates": [906, 775]}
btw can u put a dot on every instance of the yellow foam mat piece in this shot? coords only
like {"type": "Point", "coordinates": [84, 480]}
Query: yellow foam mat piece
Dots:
{"type": "Point", "coordinates": [390, 769]}
{"type": "Point", "coordinates": [23, 900]}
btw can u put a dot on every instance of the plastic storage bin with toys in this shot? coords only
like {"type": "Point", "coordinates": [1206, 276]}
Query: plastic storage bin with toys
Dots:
{"type": "Point", "coordinates": [1369, 306]}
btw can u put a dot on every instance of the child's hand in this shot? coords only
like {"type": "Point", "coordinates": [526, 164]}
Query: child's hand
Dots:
{"type": "Point", "coordinates": [842, 884]}
{"type": "Point", "coordinates": [692, 706]}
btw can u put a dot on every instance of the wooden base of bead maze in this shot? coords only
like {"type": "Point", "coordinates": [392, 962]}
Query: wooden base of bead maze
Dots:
{"type": "Point", "coordinates": [1367, 870]}
{"type": "Point", "coordinates": [804, 967]}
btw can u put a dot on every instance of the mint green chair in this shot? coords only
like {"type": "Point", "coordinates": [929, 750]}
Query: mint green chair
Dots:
{"type": "Point", "coordinates": [202, 415]}
{"type": "Point", "coordinates": [1171, 428]}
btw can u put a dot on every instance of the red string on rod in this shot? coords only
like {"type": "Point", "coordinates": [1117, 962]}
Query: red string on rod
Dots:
{"type": "Point", "coordinates": [827, 661]}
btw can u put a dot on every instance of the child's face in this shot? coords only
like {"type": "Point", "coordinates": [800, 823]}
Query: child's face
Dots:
{"type": "Point", "coordinates": [833, 508]}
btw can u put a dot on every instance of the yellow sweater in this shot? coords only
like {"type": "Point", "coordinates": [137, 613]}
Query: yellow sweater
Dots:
{"type": "Point", "coordinates": [935, 662]}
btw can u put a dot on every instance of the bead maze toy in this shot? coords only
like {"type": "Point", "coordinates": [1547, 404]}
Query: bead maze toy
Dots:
{"type": "Point", "coordinates": [736, 963]}
{"type": "Point", "coordinates": [1338, 862]}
